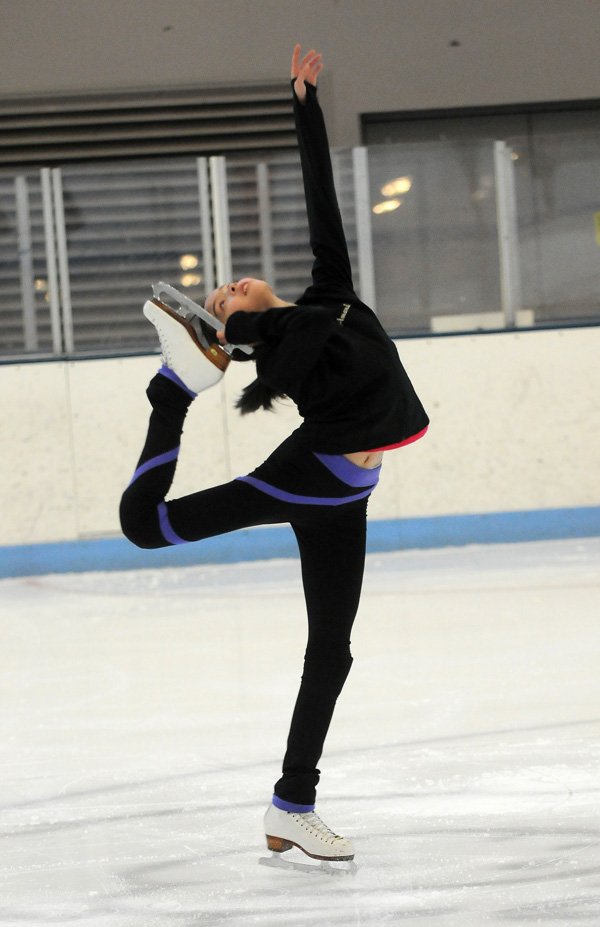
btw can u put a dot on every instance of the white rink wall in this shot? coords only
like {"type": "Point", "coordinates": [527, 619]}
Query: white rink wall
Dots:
{"type": "Point", "coordinates": [515, 426]}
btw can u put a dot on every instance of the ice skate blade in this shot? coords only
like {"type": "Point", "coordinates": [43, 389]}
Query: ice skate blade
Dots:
{"type": "Point", "coordinates": [159, 289]}
{"type": "Point", "coordinates": [321, 867]}
{"type": "Point", "coordinates": [281, 844]}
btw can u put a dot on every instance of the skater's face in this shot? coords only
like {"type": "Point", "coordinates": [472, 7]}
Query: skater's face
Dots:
{"type": "Point", "coordinates": [247, 295]}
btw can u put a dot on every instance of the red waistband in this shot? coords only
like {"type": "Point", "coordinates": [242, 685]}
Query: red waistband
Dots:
{"type": "Point", "coordinates": [391, 447]}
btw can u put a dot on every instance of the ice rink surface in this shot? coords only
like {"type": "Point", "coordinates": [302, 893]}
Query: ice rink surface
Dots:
{"type": "Point", "coordinates": [144, 717]}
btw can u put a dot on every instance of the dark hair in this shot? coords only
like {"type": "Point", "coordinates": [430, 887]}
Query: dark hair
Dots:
{"type": "Point", "coordinates": [256, 396]}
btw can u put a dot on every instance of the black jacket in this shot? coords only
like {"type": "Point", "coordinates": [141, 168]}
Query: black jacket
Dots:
{"type": "Point", "coordinates": [328, 352]}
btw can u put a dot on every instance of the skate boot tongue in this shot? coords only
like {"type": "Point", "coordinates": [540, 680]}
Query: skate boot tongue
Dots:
{"type": "Point", "coordinates": [312, 819]}
{"type": "Point", "coordinates": [313, 823]}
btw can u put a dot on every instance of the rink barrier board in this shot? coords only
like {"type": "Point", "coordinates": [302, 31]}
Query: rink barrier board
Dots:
{"type": "Point", "coordinates": [106, 554]}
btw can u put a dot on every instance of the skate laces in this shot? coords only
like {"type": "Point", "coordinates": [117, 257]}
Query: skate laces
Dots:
{"type": "Point", "coordinates": [312, 821]}
{"type": "Point", "coordinates": [164, 345]}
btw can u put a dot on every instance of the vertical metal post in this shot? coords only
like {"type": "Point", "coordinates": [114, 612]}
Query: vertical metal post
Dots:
{"type": "Point", "coordinates": [220, 214]}
{"type": "Point", "coordinates": [508, 242]}
{"type": "Point", "coordinates": [364, 238]}
{"type": "Point", "coordinates": [57, 343]}
{"type": "Point", "coordinates": [205, 225]}
{"type": "Point", "coordinates": [264, 222]}
{"type": "Point", "coordinates": [336, 157]}
{"type": "Point", "coordinates": [63, 262]}
{"type": "Point", "coordinates": [26, 263]}
{"type": "Point", "coordinates": [220, 209]}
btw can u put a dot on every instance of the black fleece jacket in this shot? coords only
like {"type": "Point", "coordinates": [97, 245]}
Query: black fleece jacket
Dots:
{"type": "Point", "coordinates": [328, 352]}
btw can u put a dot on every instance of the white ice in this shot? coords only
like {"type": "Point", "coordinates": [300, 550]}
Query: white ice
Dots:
{"type": "Point", "coordinates": [144, 714]}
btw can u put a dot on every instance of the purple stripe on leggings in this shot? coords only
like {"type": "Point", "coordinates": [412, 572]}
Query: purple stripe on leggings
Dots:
{"type": "Point", "coordinates": [348, 472]}
{"type": "Point", "coordinates": [167, 457]}
{"type": "Point", "coordinates": [165, 526]}
{"type": "Point", "coordinates": [301, 500]}
{"type": "Point", "coordinates": [291, 806]}
{"type": "Point", "coordinates": [171, 375]}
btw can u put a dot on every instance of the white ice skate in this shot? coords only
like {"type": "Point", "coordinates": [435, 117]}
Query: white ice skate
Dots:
{"type": "Point", "coordinates": [287, 829]}
{"type": "Point", "coordinates": [187, 333]}
{"type": "Point", "coordinates": [185, 350]}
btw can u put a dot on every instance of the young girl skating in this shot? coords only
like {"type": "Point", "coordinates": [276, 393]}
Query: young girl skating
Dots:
{"type": "Point", "coordinates": [327, 352]}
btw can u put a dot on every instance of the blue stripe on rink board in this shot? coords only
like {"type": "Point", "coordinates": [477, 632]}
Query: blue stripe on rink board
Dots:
{"type": "Point", "coordinates": [278, 541]}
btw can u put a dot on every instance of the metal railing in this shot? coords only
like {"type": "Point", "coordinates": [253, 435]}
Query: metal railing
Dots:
{"type": "Point", "coordinates": [444, 237]}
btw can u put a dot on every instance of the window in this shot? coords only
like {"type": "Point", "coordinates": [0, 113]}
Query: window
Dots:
{"type": "Point", "coordinates": [438, 253]}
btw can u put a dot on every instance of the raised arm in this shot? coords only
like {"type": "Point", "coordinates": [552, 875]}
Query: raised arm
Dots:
{"type": "Point", "coordinates": [332, 273]}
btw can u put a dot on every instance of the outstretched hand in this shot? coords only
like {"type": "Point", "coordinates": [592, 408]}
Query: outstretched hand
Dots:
{"type": "Point", "coordinates": [307, 69]}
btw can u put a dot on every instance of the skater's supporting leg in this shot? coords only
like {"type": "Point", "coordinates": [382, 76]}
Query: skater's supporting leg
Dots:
{"type": "Point", "coordinates": [332, 552]}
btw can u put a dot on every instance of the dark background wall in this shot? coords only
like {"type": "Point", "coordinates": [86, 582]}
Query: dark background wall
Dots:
{"type": "Point", "coordinates": [381, 55]}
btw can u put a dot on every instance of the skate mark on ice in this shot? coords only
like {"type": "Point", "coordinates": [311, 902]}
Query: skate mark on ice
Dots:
{"type": "Point", "coordinates": [321, 867]}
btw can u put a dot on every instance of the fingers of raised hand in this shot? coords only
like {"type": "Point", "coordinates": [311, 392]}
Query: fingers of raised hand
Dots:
{"type": "Point", "coordinates": [316, 69]}
{"type": "Point", "coordinates": [295, 60]}
{"type": "Point", "coordinates": [309, 67]}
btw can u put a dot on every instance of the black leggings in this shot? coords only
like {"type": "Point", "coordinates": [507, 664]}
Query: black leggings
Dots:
{"type": "Point", "coordinates": [331, 535]}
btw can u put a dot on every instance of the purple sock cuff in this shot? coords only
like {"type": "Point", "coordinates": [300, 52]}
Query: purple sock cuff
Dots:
{"type": "Point", "coordinates": [291, 806]}
{"type": "Point", "coordinates": [171, 375]}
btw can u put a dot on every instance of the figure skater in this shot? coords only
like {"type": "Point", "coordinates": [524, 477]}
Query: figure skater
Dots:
{"type": "Point", "coordinates": [327, 352]}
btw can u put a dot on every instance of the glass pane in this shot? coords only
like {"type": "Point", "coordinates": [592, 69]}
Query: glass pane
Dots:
{"type": "Point", "coordinates": [269, 228]}
{"type": "Point", "coordinates": [292, 256]}
{"type": "Point", "coordinates": [17, 335]}
{"type": "Point", "coordinates": [557, 180]}
{"type": "Point", "coordinates": [434, 236]}
{"type": "Point", "coordinates": [343, 172]}
{"type": "Point", "coordinates": [129, 225]}
{"type": "Point", "coordinates": [381, 129]}
{"type": "Point", "coordinates": [242, 199]}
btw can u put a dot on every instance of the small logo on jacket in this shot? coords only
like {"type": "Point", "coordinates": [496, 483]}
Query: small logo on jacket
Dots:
{"type": "Point", "coordinates": [345, 310]}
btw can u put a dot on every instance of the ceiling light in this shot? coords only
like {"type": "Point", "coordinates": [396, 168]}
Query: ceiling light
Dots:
{"type": "Point", "coordinates": [399, 185]}
{"type": "Point", "coordinates": [190, 279]}
{"type": "Point", "coordinates": [386, 206]}
{"type": "Point", "coordinates": [188, 261]}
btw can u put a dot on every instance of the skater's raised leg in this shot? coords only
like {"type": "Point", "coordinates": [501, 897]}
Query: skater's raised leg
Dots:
{"type": "Point", "coordinates": [146, 518]}
{"type": "Point", "coordinates": [190, 365]}
{"type": "Point", "coordinates": [142, 511]}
